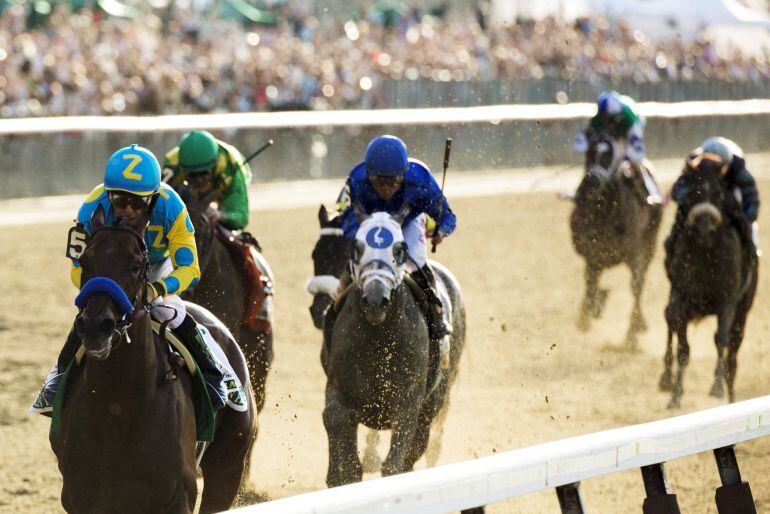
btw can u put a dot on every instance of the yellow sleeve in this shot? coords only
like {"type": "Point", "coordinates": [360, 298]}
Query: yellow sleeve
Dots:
{"type": "Point", "coordinates": [184, 257]}
{"type": "Point", "coordinates": [75, 274]}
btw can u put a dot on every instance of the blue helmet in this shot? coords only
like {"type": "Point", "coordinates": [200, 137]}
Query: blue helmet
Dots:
{"type": "Point", "coordinates": [132, 169]}
{"type": "Point", "coordinates": [386, 156]}
{"type": "Point", "coordinates": [610, 103]}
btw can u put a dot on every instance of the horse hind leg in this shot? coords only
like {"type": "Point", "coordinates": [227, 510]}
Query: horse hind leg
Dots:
{"type": "Point", "coordinates": [433, 451]}
{"type": "Point", "coordinates": [372, 461]}
{"type": "Point", "coordinates": [638, 323]}
{"type": "Point", "coordinates": [721, 339]}
{"type": "Point", "coordinates": [226, 462]}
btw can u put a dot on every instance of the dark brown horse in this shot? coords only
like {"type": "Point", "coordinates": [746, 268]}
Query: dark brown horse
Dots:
{"type": "Point", "coordinates": [127, 438]}
{"type": "Point", "coordinates": [223, 290]}
{"type": "Point", "coordinates": [612, 223]}
{"type": "Point", "coordinates": [712, 272]}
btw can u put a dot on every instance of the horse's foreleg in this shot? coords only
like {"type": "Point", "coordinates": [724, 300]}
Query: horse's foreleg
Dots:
{"type": "Point", "coordinates": [721, 339]}
{"type": "Point", "coordinates": [341, 425]}
{"type": "Point", "coordinates": [736, 338]}
{"type": "Point", "coordinates": [638, 323]}
{"type": "Point", "coordinates": [666, 383]}
{"type": "Point", "coordinates": [682, 358]}
{"type": "Point", "coordinates": [405, 421]}
{"type": "Point", "coordinates": [592, 304]}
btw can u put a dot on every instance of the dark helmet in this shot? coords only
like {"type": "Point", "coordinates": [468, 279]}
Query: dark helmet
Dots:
{"type": "Point", "coordinates": [386, 156]}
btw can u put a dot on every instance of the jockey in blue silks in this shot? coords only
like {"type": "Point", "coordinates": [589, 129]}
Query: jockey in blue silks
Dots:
{"type": "Point", "coordinates": [132, 187]}
{"type": "Point", "coordinates": [386, 181]}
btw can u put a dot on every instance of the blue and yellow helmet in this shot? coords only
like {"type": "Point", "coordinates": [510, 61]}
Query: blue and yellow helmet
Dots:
{"type": "Point", "coordinates": [132, 169]}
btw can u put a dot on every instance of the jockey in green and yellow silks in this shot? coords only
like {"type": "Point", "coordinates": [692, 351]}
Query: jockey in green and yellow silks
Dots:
{"type": "Point", "coordinates": [132, 187]}
{"type": "Point", "coordinates": [215, 170]}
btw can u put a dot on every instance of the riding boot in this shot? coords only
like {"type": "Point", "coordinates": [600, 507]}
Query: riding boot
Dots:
{"type": "Point", "coordinates": [190, 335]}
{"type": "Point", "coordinates": [43, 404]}
{"type": "Point", "coordinates": [438, 328]}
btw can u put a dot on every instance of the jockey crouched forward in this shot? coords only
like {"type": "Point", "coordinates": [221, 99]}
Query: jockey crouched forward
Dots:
{"type": "Point", "coordinates": [618, 117]}
{"type": "Point", "coordinates": [132, 187]}
{"type": "Point", "coordinates": [384, 182]}
{"type": "Point", "coordinates": [738, 180]}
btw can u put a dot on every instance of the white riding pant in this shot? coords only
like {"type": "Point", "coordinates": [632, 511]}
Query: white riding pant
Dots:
{"type": "Point", "coordinates": [171, 307]}
{"type": "Point", "coordinates": [414, 237]}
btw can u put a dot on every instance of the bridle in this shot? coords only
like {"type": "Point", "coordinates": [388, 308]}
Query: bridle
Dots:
{"type": "Point", "coordinates": [126, 319]}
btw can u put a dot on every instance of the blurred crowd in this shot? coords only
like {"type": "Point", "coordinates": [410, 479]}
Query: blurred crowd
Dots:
{"type": "Point", "coordinates": [177, 61]}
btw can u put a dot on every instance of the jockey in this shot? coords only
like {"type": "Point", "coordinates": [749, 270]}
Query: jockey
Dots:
{"type": "Point", "coordinates": [738, 179]}
{"type": "Point", "coordinates": [212, 167]}
{"type": "Point", "coordinates": [618, 117]}
{"type": "Point", "coordinates": [132, 186]}
{"type": "Point", "coordinates": [385, 181]}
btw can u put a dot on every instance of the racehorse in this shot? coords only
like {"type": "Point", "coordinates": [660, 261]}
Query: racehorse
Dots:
{"type": "Point", "coordinates": [712, 271]}
{"type": "Point", "coordinates": [127, 436]}
{"type": "Point", "coordinates": [224, 291]}
{"type": "Point", "coordinates": [612, 223]}
{"type": "Point", "coordinates": [330, 255]}
{"type": "Point", "coordinates": [380, 366]}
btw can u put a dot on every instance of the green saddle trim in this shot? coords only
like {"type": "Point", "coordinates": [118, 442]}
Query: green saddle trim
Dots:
{"type": "Point", "coordinates": [204, 413]}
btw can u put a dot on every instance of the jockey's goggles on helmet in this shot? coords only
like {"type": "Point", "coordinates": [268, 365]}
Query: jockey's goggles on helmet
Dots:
{"type": "Point", "coordinates": [121, 200]}
{"type": "Point", "coordinates": [386, 181]}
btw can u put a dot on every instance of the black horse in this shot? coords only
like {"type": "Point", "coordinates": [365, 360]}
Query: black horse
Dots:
{"type": "Point", "coordinates": [713, 271]}
{"type": "Point", "coordinates": [379, 366]}
{"type": "Point", "coordinates": [127, 438]}
{"type": "Point", "coordinates": [612, 223]}
{"type": "Point", "coordinates": [330, 255]}
{"type": "Point", "coordinates": [223, 291]}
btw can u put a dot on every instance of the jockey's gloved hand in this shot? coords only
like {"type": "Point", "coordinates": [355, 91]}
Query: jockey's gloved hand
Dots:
{"type": "Point", "coordinates": [152, 293]}
{"type": "Point", "coordinates": [580, 143]}
{"type": "Point", "coordinates": [438, 236]}
{"type": "Point", "coordinates": [635, 150]}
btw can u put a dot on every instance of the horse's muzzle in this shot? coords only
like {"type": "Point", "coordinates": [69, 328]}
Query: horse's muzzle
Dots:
{"type": "Point", "coordinates": [321, 302]}
{"type": "Point", "coordinates": [705, 217]}
{"type": "Point", "coordinates": [96, 334]}
{"type": "Point", "coordinates": [376, 301]}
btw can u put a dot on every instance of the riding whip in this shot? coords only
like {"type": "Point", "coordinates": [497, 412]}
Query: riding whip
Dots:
{"type": "Point", "coordinates": [259, 150]}
{"type": "Point", "coordinates": [447, 151]}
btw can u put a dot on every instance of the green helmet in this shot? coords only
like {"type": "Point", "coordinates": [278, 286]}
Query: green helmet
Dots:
{"type": "Point", "coordinates": [197, 152]}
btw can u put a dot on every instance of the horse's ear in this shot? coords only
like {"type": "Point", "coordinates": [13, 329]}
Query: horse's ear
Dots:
{"type": "Point", "coordinates": [323, 216]}
{"type": "Point", "coordinates": [97, 218]}
{"type": "Point", "coordinates": [402, 213]}
{"type": "Point", "coordinates": [360, 213]}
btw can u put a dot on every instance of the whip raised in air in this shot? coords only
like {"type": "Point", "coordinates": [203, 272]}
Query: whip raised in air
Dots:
{"type": "Point", "coordinates": [447, 151]}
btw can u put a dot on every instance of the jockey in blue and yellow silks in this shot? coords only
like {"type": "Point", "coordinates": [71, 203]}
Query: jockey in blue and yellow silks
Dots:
{"type": "Point", "coordinates": [132, 187]}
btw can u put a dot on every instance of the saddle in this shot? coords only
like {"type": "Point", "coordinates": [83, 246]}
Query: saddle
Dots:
{"type": "Point", "coordinates": [245, 250]}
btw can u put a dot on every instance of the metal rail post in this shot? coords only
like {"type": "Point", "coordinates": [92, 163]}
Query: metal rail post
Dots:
{"type": "Point", "coordinates": [659, 498]}
{"type": "Point", "coordinates": [734, 497]}
{"type": "Point", "coordinates": [569, 498]}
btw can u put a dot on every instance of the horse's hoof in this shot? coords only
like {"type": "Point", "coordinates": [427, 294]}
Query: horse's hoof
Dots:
{"type": "Point", "coordinates": [583, 325]}
{"type": "Point", "coordinates": [675, 403]}
{"type": "Point", "coordinates": [717, 390]}
{"type": "Point", "coordinates": [641, 325]}
{"type": "Point", "coordinates": [632, 341]}
{"type": "Point", "coordinates": [666, 384]}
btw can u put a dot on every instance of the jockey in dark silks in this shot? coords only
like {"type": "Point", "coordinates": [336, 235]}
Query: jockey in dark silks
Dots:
{"type": "Point", "coordinates": [131, 188]}
{"type": "Point", "coordinates": [737, 178]}
{"type": "Point", "coordinates": [386, 181]}
{"type": "Point", "coordinates": [618, 117]}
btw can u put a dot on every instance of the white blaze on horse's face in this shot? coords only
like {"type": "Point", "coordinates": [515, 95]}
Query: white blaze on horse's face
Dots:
{"type": "Point", "coordinates": [379, 251]}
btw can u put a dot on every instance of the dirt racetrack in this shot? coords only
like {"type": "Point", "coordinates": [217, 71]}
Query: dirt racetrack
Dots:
{"type": "Point", "coordinates": [528, 376]}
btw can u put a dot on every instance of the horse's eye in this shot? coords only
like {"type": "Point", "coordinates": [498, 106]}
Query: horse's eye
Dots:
{"type": "Point", "coordinates": [137, 266]}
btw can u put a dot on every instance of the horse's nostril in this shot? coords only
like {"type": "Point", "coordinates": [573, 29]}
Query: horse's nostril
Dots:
{"type": "Point", "coordinates": [107, 326]}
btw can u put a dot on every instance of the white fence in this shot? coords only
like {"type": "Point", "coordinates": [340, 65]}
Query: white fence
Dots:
{"type": "Point", "coordinates": [558, 464]}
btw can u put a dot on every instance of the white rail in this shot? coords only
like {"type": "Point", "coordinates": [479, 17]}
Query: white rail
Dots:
{"type": "Point", "coordinates": [490, 479]}
{"type": "Point", "coordinates": [449, 115]}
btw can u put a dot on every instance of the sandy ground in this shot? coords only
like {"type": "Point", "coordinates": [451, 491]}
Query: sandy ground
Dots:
{"type": "Point", "coordinates": [528, 375]}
